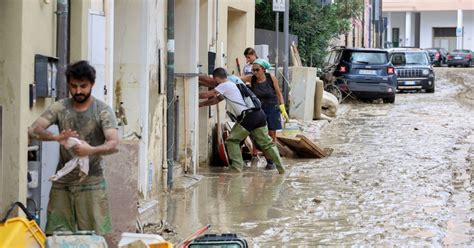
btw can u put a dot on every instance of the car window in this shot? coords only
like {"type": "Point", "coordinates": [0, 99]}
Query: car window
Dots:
{"type": "Point", "coordinates": [461, 51]}
{"type": "Point", "coordinates": [337, 56]}
{"type": "Point", "coordinates": [331, 57]}
{"type": "Point", "coordinates": [366, 57]}
{"type": "Point", "coordinates": [409, 58]}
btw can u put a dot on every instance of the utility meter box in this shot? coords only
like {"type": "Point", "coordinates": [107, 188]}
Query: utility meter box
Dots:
{"type": "Point", "coordinates": [46, 70]}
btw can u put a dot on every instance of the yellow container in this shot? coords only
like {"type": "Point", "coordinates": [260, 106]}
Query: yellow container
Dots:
{"type": "Point", "coordinates": [161, 245]}
{"type": "Point", "coordinates": [21, 232]}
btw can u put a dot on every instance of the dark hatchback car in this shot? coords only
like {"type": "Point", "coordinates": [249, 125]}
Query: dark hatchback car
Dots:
{"type": "Point", "coordinates": [439, 56]}
{"type": "Point", "coordinates": [460, 57]}
{"type": "Point", "coordinates": [414, 70]}
{"type": "Point", "coordinates": [366, 73]}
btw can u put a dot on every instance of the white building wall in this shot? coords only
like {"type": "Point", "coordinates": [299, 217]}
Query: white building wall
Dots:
{"type": "Point", "coordinates": [435, 19]}
{"type": "Point", "coordinates": [468, 22]}
{"type": "Point", "coordinates": [398, 21]}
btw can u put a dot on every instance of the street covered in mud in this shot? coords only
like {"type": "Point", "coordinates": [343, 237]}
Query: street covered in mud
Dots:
{"type": "Point", "coordinates": [400, 174]}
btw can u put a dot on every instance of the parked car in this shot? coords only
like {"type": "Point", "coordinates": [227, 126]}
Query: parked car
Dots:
{"type": "Point", "coordinates": [414, 69]}
{"type": "Point", "coordinates": [438, 56]}
{"type": "Point", "coordinates": [461, 57]}
{"type": "Point", "coordinates": [366, 73]}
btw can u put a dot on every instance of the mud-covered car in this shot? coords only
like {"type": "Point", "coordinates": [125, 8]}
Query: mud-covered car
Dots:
{"type": "Point", "coordinates": [414, 70]}
{"type": "Point", "coordinates": [363, 72]}
{"type": "Point", "coordinates": [461, 57]}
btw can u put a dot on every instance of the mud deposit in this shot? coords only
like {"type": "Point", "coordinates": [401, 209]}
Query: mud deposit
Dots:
{"type": "Point", "coordinates": [400, 175]}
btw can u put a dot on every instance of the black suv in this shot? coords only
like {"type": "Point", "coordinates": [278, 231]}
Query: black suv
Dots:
{"type": "Point", "coordinates": [366, 73]}
{"type": "Point", "coordinates": [414, 69]}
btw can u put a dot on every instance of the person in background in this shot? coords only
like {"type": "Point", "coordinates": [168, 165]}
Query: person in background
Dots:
{"type": "Point", "coordinates": [266, 88]}
{"type": "Point", "coordinates": [77, 203]}
{"type": "Point", "coordinates": [250, 56]}
{"type": "Point", "coordinates": [249, 121]}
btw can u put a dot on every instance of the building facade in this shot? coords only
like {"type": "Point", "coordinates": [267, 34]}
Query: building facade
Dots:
{"type": "Point", "coordinates": [429, 23]}
{"type": "Point", "coordinates": [142, 50]}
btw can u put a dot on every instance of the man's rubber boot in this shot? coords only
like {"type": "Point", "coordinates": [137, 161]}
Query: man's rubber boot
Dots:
{"type": "Point", "coordinates": [237, 134]}
{"type": "Point", "coordinates": [264, 141]}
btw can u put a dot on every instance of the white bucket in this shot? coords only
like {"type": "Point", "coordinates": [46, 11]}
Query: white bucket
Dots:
{"type": "Point", "coordinates": [148, 239]}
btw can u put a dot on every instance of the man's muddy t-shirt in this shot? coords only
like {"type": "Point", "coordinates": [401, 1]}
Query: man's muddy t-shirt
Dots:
{"type": "Point", "coordinates": [90, 126]}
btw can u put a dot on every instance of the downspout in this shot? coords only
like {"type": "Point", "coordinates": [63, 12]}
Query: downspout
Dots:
{"type": "Point", "coordinates": [62, 46]}
{"type": "Point", "coordinates": [170, 97]}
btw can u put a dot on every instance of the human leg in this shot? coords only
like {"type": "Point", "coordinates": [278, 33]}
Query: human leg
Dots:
{"type": "Point", "coordinates": [92, 207]}
{"type": "Point", "coordinates": [60, 213]}
{"type": "Point", "coordinates": [237, 134]}
{"type": "Point", "coordinates": [268, 147]}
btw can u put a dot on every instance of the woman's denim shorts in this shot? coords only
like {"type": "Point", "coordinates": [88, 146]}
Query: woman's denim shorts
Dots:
{"type": "Point", "coordinates": [273, 117]}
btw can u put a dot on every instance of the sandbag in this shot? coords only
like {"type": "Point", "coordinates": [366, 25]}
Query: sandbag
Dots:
{"type": "Point", "coordinates": [330, 104]}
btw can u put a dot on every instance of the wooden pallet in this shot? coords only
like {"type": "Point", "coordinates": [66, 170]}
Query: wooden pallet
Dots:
{"type": "Point", "coordinates": [304, 147]}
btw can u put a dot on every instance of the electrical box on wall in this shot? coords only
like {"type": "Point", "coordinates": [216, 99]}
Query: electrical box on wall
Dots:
{"type": "Point", "coordinates": [45, 75]}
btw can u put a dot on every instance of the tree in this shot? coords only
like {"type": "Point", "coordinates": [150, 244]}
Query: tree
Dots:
{"type": "Point", "coordinates": [315, 25]}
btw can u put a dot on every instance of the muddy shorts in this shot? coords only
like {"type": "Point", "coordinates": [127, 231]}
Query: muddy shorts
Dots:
{"type": "Point", "coordinates": [79, 207]}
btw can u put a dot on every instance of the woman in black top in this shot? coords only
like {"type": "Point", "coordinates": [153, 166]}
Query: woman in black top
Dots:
{"type": "Point", "coordinates": [266, 88]}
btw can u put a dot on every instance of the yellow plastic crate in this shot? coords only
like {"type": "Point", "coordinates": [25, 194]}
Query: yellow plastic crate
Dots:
{"type": "Point", "coordinates": [161, 245]}
{"type": "Point", "coordinates": [21, 232]}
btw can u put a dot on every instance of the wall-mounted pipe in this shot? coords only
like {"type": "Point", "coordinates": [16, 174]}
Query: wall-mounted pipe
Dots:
{"type": "Point", "coordinates": [170, 94]}
{"type": "Point", "coordinates": [62, 46]}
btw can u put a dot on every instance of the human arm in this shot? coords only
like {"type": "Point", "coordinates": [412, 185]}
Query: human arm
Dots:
{"type": "Point", "coordinates": [213, 97]}
{"type": "Point", "coordinates": [247, 79]}
{"type": "Point", "coordinates": [207, 81]}
{"type": "Point", "coordinates": [109, 146]}
{"type": "Point", "coordinates": [279, 95]}
{"type": "Point", "coordinates": [38, 131]}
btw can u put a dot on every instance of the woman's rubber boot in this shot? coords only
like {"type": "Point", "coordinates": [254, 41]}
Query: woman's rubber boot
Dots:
{"type": "Point", "coordinates": [237, 134]}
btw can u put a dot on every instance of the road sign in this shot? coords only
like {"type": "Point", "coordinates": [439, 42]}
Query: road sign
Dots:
{"type": "Point", "coordinates": [279, 5]}
{"type": "Point", "coordinates": [458, 32]}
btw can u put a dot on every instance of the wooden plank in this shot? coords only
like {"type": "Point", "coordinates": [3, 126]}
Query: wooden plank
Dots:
{"type": "Point", "coordinates": [321, 153]}
{"type": "Point", "coordinates": [285, 151]}
{"type": "Point", "coordinates": [304, 147]}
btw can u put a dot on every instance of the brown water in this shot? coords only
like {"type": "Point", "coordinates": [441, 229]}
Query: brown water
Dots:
{"type": "Point", "coordinates": [400, 174]}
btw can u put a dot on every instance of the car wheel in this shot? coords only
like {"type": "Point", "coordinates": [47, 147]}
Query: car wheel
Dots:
{"type": "Point", "coordinates": [432, 90]}
{"type": "Point", "coordinates": [389, 99]}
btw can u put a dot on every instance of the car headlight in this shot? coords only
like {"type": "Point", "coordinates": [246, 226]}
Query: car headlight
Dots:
{"type": "Point", "coordinates": [425, 72]}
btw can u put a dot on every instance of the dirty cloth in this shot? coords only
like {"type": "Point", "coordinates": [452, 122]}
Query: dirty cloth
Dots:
{"type": "Point", "coordinates": [82, 162]}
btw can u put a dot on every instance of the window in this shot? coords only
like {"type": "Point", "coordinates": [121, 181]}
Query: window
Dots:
{"type": "Point", "coordinates": [366, 57]}
{"type": "Point", "coordinates": [409, 58]}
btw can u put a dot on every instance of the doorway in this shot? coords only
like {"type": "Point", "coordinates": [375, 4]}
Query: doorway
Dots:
{"type": "Point", "coordinates": [96, 52]}
{"type": "Point", "coordinates": [396, 37]}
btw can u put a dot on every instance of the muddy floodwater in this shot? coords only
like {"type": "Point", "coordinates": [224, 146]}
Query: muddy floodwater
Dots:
{"type": "Point", "coordinates": [400, 174]}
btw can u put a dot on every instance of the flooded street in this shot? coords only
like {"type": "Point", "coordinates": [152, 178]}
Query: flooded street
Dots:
{"type": "Point", "coordinates": [400, 174]}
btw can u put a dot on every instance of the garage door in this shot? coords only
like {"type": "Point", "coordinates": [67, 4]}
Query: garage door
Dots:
{"type": "Point", "coordinates": [444, 38]}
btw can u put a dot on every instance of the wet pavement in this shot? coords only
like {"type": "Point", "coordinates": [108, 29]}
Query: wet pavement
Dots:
{"type": "Point", "coordinates": [400, 174]}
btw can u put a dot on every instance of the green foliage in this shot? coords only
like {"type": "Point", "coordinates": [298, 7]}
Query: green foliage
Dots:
{"type": "Point", "coordinates": [314, 24]}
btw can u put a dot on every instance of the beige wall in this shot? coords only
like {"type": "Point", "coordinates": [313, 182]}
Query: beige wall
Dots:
{"type": "Point", "coordinates": [28, 28]}
{"type": "Point", "coordinates": [234, 32]}
{"type": "Point", "coordinates": [426, 5]}
{"type": "Point", "coordinates": [13, 167]}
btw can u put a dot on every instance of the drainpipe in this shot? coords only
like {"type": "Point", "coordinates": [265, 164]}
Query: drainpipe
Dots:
{"type": "Point", "coordinates": [62, 47]}
{"type": "Point", "coordinates": [170, 94]}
